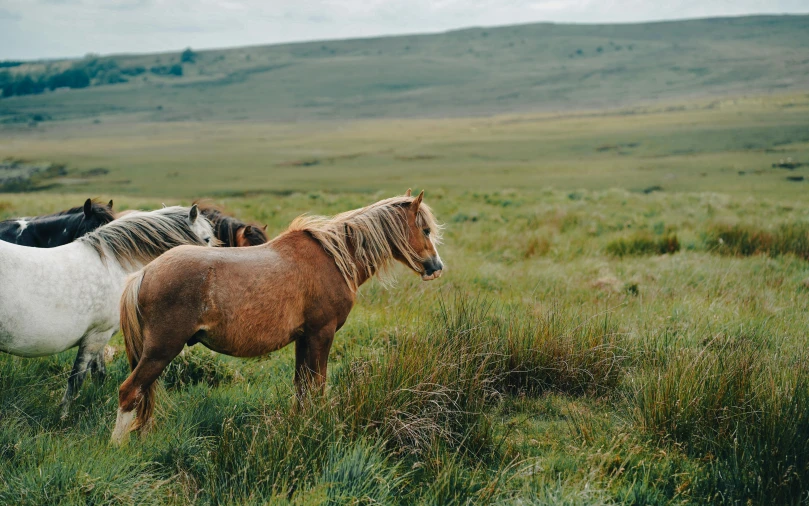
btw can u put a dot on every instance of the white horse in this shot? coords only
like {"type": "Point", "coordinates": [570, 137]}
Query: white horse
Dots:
{"type": "Point", "coordinates": [54, 299]}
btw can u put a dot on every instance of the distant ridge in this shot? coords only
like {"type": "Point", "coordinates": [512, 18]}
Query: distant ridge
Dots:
{"type": "Point", "coordinates": [471, 71]}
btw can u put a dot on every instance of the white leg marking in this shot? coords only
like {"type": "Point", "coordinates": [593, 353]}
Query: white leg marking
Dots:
{"type": "Point", "coordinates": [123, 422]}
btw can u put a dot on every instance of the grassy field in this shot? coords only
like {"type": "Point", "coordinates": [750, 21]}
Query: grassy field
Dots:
{"type": "Point", "coordinates": [590, 343]}
{"type": "Point", "coordinates": [541, 369]}
{"type": "Point", "coordinates": [726, 146]}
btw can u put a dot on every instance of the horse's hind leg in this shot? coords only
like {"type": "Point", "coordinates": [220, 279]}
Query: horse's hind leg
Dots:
{"type": "Point", "coordinates": [137, 391]}
{"type": "Point", "coordinates": [89, 350]}
{"type": "Point", "coordinates": [98, 365]}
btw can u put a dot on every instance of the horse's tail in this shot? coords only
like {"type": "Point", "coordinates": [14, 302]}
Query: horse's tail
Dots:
{"type": "Point", "coordinates": [130, 319]}
{"type": "Point", "coordinates": [133, 340]}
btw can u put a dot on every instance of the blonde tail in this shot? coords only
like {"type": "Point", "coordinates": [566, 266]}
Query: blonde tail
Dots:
{"type": "Point", "coordinates": [133, 340]}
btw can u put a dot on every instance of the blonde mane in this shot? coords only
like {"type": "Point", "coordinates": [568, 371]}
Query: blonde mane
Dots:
{"type": "Point", "coordinates": [140, 237]}
{"type": "Point", "coordinates": [374, 232]}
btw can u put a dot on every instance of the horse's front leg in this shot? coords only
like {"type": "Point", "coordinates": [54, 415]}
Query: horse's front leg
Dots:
{"type": "Point", "coordinates": [89, 349]}
{"type": "Point", "coordinates": [311, 360]}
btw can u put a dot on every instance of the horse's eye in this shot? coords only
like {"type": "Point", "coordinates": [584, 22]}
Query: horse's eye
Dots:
{"type": "Point", "coordinates": [427, 232]}
{"type": "Point", "coordinates": [208, 240]}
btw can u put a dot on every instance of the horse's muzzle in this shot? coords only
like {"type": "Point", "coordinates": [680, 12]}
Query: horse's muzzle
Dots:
{"type": "Point", "coordinates": [433, 268]}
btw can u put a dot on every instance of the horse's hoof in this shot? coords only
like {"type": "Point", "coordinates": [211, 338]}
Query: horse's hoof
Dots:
{"type": "Point", "coordinates": [64, 409]}
{"type": "Point", "coordinates": [109, 354]}
{"type": "Point", "coordinates": [123, 423]}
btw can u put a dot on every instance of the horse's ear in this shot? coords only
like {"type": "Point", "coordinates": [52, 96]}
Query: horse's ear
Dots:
{"type": "Point", "coordinates": [193, 213]}
{"type": "Point", "coordinates": [414, 206]}
{"type": "Point", "coordinates": [88, 208]}
{"type": "Point", "coordinates": [248, 230]}
{"type": "Point", "coordinates": [264, 228]}
{"type": "Point", "coordinates": [409, 193]}
{"type": "Point", "coordinates": [110, 205]}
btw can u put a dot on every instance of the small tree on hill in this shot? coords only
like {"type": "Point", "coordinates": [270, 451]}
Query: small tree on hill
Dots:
{"type": "Point", "coordinates": [188, 56]}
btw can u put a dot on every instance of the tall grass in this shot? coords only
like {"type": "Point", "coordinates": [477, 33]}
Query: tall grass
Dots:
{"type": "Point", "coordinates": [746, 413]}
{"type": "Point", "coordinates": [99, 477]}
{"type": "Point", "coordinates": [425, 398]}
{"type": "Point", "coordinates": [745, 240]}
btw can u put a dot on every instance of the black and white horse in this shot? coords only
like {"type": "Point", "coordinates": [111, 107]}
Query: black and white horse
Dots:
{"type": "Point", "coordinates": [56, 229]}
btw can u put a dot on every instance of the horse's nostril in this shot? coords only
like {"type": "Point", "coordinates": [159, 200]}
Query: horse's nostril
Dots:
{"type": "Point", "coordinates": [432, 266]}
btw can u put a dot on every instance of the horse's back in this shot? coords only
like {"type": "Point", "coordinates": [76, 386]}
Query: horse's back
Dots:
{"type": "Point", "coordinates": [228, 275]}
{"type": "Point", "coordinates": [47, 297]}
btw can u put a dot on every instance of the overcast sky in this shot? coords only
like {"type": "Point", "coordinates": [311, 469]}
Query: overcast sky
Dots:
{"type": "Point", "coordinates": [55, 28]}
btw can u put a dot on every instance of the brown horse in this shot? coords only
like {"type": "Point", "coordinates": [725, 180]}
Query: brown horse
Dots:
{"type": "Point", "coordinates": [247, 302]}
{"type": "Point", "coordinates": [231, 231]}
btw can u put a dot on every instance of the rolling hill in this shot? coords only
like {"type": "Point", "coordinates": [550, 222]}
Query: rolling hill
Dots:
{"type": "Point", "coordinates": [476, 71]}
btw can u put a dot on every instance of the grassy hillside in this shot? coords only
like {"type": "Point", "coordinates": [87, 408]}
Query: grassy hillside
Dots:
{"type": "Point", "coordinates": [468, 72]}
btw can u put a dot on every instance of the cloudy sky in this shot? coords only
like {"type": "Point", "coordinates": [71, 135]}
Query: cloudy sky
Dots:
{"type": "Point", "coordinates": [56, 28]}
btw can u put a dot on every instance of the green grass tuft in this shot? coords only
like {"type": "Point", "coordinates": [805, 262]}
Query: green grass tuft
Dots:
{"type": "Point", "coordinates": [643, 244]}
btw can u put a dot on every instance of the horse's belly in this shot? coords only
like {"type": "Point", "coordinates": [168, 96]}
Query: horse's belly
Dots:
{"type": "Point", "coordinates": [238, 343]}
{"type": "Point", "coordinates": [49, 306]}
{"type": "Point", "coordinates": [39, 344]}
{"type": "Point", "coordinates": [48, 332]}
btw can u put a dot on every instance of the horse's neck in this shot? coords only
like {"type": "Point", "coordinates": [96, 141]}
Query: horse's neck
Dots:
{"type": "Point", "coordinates": [227, 228]}
{"type": "Point", "coordinates": [54, 230]}
{"type": "Point", "coordinates": [8, 230]}
{"type": "Point", "coordinates": [362, 269]}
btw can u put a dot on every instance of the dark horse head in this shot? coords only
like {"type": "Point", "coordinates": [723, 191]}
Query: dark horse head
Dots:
{"type": "Point", "coordinates": [231, 231]}
{"type": "Point", "coordinates": [56, 229]}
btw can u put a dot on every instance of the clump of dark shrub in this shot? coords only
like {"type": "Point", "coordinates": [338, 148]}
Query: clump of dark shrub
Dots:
{"type": "Point", "coordinates": [71, 78]}
{"type": "Point", "coordinates": [197, 366]}
{"type": "Point", "coordinates": [24, 84]}
{"type": "Point", "coordinates": [133, 71]}
{"type": "Point", "coordinates": [80, 75]}
{"type": "Point", "coordinates": [114, 77]}
{"type": "Point", "coordinates": [643, 244]}
{"type": "Point", "coordinates": [188, 56]}
{"type": "Point", "coordinates": [18, 176]}
{"type": "Point", "coordinates": [167, 70]}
